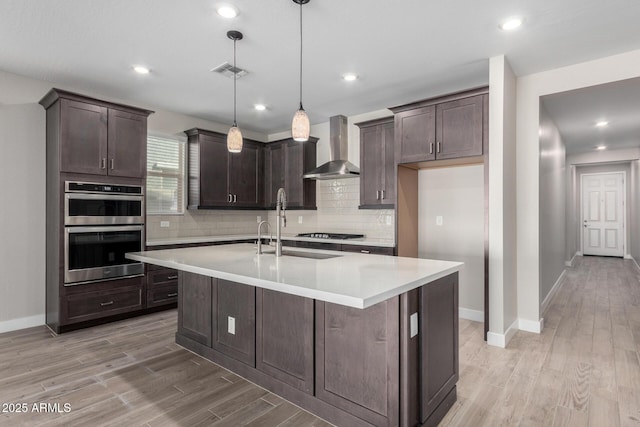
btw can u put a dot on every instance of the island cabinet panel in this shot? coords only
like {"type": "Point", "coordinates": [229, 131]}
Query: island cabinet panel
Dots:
{"type": "Point", "coordinates": [284, 338]}
{"type": "Point", "coordinates": [194, 292]}
{"type": "Point", "coordinates": [83, 137]}
{"type": "Point", "coordinates": [234, 320]}
{"type": "Point", "coordinates": [439, 342]}
{"type": "Point", "coordinates": [357, 360]}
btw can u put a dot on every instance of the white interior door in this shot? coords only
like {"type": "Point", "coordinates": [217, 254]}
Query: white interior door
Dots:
{"type": "Point", "coordinates": [603, 214]}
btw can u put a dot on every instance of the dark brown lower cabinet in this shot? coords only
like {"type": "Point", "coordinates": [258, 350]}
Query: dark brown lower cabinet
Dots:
{"type": "Point", "coordinates": [349, 366]}
{"type": "Point", "coordinates": [194, 296]}
{"type": "Point", "coordinates": [233, 307]}
{"type": "Point", "coordinates": [357, 359]}
{"type": "Point", "coordinates": [284, 338]}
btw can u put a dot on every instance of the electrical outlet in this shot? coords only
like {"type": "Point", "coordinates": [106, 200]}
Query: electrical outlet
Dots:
{"type": "Point", "coordinates": [299, 219]}
{"type": "Point", "coordinates": [414, 324]}
{"type": "Point", "coordinates": [258, 219]}
{"type": "Point", "coordinates": [231, 325]}
{"type": "Point", "coordinates": [164, 224]}
{"type": "Point", "coordinates": [439, 220]}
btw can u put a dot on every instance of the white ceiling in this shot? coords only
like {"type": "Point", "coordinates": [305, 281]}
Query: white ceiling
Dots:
{"type": "Point", "coordinates": [403, 50]}
{"type": "Point", "coordinates": [576, 112]}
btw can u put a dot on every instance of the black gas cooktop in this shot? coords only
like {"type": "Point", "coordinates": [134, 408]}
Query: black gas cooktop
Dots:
{"type": "Point", "coordinates": [341, 236]}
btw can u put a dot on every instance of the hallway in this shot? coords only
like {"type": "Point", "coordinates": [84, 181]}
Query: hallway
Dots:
{"type": "Point", "coordinates": [583, 370]}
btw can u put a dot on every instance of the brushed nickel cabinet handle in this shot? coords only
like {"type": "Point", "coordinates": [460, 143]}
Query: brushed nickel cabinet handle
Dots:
{"type": "Point", "coordinates": [377, 194]}
{"type": "Point", "coordinates": [438, 146]}
{"type": "Point", "coordinates": [229, 198]}
{"type": "Point", "coordinates": [103, 164]}
{"type": "Point", "coordinates": [175, 294]}
{"type": "Point", "coordinates": [431, 148]}
{"type": "Point", "coordinates": [104, 304]}
{"type": "Point", "coordinates": [112, 163]}
{"type": "Point", "coordinates": [172, 277]}
{"type": "Point", "coordinates": [364, 251]}
{"type": "Point", "coordinates": [235, 198]}
{"type": "Point", "coordinates": [382, 193]}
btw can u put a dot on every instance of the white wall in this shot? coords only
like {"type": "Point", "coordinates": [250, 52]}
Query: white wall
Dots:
{"type": "Point", "coordinates": [634, 217]}
{"type": "Point", "coordinates": [530, 88]}
{"type": "Point", "coordinates": [457, 194]}
{"type": "Point", "coordinates": [503, 294]}
{"type": "Point", "coordinates": [552, 204]}
{"type": "Point", "coordinates": [22, 216]}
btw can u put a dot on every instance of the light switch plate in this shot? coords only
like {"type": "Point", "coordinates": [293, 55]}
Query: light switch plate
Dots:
{"type": "Point", "coordinates": [164, 224]}
{"type": "Point", "coordinates": [439, 220]}
{"type": "Point", "coordinates": [299, 219]}
{"type": "Point", "coordinates": [414, 324]}
{"type": "Point", "coordinates": [231, 325]}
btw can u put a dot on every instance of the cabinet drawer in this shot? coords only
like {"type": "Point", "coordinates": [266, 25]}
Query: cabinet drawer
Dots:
{"type": "Point", "coordinates": [162, 295]}
{"type": "Point", "coordinates": [93, 305]}
{"type": "Point", "coordinates": [378, 250]}
{"type": "Point", "coordinates": [165, 276]}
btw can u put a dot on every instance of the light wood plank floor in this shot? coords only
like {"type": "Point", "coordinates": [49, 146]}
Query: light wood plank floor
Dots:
{"type": "Point", "coordinates": [583, 370]}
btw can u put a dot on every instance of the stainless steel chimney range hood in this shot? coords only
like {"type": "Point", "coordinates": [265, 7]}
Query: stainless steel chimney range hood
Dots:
{"type": "Point", "coordinates": [338, 167]}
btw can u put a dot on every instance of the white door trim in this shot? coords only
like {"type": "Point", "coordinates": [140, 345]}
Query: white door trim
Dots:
{"type": "Point", "coordinates": [624, 208]}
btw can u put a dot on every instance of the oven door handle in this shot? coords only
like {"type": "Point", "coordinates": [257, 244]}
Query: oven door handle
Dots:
{"type": "Point", "coordinates": [105, 229]}
{"type": "Point", "coordinates": [85, 196]}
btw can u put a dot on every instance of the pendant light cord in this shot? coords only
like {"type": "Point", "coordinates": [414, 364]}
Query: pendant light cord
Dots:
{"type": "Point", "coordinates": [235, 77]}
{"type": "Point", "coordinates": [301, 56]}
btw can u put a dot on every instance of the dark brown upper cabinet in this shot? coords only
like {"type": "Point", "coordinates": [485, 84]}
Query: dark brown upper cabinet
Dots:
{"type": "Point", "coordinates": [444, 128]}
{"type": "Point", "coordinates": [219, 179]}
{"type": "Point", "coordinates": [97, 137]}
{"type": "Point", "coordinates": [285, 163]}
{"type": "Point", "coordinates": [377, 167]}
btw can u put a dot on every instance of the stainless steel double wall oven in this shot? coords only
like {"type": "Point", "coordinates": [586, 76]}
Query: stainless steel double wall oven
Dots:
{"type": "Point", "coordinates": [102, 223]}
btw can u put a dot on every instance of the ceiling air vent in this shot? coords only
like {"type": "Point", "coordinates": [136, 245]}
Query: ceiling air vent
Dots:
{"type": "Point", "coordinates": [227, 70]}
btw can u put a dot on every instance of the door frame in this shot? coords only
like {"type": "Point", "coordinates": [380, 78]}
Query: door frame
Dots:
{"type": "Point", "coordinates": [625, 243]}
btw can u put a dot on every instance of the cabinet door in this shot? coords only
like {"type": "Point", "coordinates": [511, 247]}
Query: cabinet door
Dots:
{"type": "Point", "coordinates": [243, 176]}
{"type": "Point", "coordinates": [415, 132]}
{"type": "Point", "coordinates": [459, 128]}
{"type": "Point", "coordinates": [234, 320]}
{"type": "Point", "coordinates": [371, 155]}
{"type": "Point", "coordinates": [284, 338]}
{"type": "Point", "coordinates": [274, 170]}
{"type": "Point", "coordinates": [388, 166]}
{"type": "Point", "coordinates": [83, 138]}
{"type": "Point", "coordinates": [127, 150]}
{"type": "Point", "coordinates": [439, 341]}
{"type": "Point", "coordinates": [294, 169]}
{"type": "Point", "coordinates": [214, 169]}
{"type": "Point", "coordinates": [194, 307]}
{"type": "Point", "coordinates": [357, 359]}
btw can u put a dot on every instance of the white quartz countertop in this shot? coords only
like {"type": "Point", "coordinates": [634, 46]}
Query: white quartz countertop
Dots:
{"type": "Point", "coordinates": [350, 279]}
{"type": "Point", "coordinates": [231, 237]}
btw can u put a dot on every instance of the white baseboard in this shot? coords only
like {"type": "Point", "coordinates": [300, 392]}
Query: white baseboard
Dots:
{"type": "Point", "coordinates": [502, 340]}
{"type": "Point", "coordinates": [531, 325]}
{"type": "Point", "coordinates": [552, 292]}
{"type": "Point", "coordinates": [468, 314]}
{"type": "Point", "coordinates": [570, 262]}
{"type": "Point", "coordinates": [634, 261]}
{"type": "Point", "coordinates": [579, 253]}
{"type": "Point", "coordinates": [22, 323]}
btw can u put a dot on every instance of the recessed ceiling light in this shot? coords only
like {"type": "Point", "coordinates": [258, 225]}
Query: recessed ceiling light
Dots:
{"type": "Point", "coordinates": [349, 77]}
{"type": "Point", "coordinates": [140, 69]}
{"type": "Point", "coordinates": [227, 11]}
{"type": "Point", "coordinates": [511, 24]}
{"type": "Point", "coordinates": [260, 107]}
{"type": "Point", "coordinates": [601, 147]}
{"type": "Point", "coordinates": [602, 123]}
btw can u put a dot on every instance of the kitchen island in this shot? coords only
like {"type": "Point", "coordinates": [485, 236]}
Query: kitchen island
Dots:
{"type": "Point", "coordinates": [357, 339]}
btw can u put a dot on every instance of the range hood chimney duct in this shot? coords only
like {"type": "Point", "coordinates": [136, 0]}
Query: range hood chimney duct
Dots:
{"type": "Point", "coordinates": [338, 167]}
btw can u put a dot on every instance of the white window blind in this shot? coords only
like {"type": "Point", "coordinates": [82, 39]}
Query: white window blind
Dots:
{"type": "Point", "coordinates": [165, 176]}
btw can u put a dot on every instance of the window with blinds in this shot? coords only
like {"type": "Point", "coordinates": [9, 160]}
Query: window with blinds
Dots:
{"type": "Point", "coordinates": [165, 176]}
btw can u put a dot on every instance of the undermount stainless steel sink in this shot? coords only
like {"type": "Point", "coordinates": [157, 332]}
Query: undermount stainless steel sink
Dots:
{"type": "Point", "coordinates": [313, 255]}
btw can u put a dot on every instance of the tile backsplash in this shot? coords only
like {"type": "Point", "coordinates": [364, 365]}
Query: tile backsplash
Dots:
{"type": "Point", "coordinates": [338, 212]}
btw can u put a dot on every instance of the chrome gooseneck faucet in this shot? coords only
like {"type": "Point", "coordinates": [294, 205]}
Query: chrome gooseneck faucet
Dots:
{"type": "Point", "coordinates": [260, 235]}
{"type": "Point", "coordinates": [281, 218]}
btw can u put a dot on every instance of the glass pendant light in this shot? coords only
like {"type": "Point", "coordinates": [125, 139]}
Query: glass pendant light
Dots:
{"type": "Point", "coordinates": [300, 127]}
{"type": "Point", "coordinates": [234, 136]}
